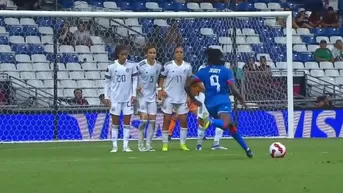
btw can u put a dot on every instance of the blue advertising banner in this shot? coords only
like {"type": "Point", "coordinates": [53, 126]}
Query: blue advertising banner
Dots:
{"type": "Point", "coordinates": [87, 126]}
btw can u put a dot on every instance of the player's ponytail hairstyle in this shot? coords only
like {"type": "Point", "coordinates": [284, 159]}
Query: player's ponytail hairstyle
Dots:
{"type": "Point", "coordinates": [118, 50]}
{"type": "Point", "coordinates": [215, 56]}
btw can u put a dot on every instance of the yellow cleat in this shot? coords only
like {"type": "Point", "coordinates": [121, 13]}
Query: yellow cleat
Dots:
{"type": "Point", "coordinates": [183, 147]}
{"type": "Point", "coordinates": [165, 147]}
{"type": "Point", "coordinates": [206, 120]}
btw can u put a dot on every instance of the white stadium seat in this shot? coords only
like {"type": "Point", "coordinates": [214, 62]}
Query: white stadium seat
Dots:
{"type": "Point", "coordinates": [41, 66]}
{"type": "Point", "coordinates": [300, 48]}
{"type": "Point", "coordinates": [92, 75]}
{"type": "Point", "coordinates": [303, 31]}
{"type": "Point", "coordinates": [332, 73]}
{"type": "Point", "coordinates": [7, 67]}
{"type": "Point", "coordinates": [339, 65]}
{"type": "Point", "coordinates": [68, 92]}
{"type": "Point", "coordinates": [16, 40]}
{"type": "Point", "coordinates": [32, 40]}
{"type": "Point", "coordinates": [5, 49]}
{"type": "Point", "coordinates": [207, 6]}
{"type": "Point", "coordinates": [274, 6]}
{"type": "Point", "coordinates": [238, 31]}
{"type": "Point", "coordinates": [117, 22]}
{"type": "Point", "coordinates": [98, 49]}
{"type": "Point", "coordinates": [244, 48]}
{"type": "Point", "coordinates": [68, 84]}
{"type": "Point", "coordinates": [38, 58]}
{"type": "Point", "coordinates": [248, 31]}
{"type": "Point", "coordinates": [297, 40]}
{"type": "Point", "coordinates": [85, 83]}
{"type": "Point", "coordinates": [153, 6]}
{"type": "Point", "coordinates": [298, 65]}
{"type": "Point", "coordinates": [24, 67]}
{"type": "Point", "coordinates": [161, 22]}
{"type": "Point", "coordinates": [47, 39]}
{"type": "Point", "coordinates": [122, 31]}
{"type": "Point", "coordinates": [46, 31]}
{"type": "Point", "coordinates": [312, 48]}
{"type": "Point", "coordinates": [66, 49]}
{"type": "Point", "coordinates": [311, 65]}
{"type": "Point", "coordinates": [132, 22]}
{"type": "Point", "coordinates": [240, 40]}
{"type": "Point", "coordinates": [317, 73]}
{"type": "Point", "coordinates": [320, 38]}
{"type": "Point", "coordinates": [27, 75]}
{"type": "Point", "coordinates": [193, 6]}
{"type": "Point", "coordinates": [206, 31]}
{"type": "Point", "coordinates": [225, 40]}
{"type": "Point", "coordinates": [86, 58]}
{"type": "Point", "coordinates": [227, 48]}
{"type": "Point", "coordinates": [110, 5]}
{"type": "Point", "coordinates": [103, 65]}
{"type": "Point", "coordinates": [27, 21]}
{"type": "Point", "coordinates": [76, 75]}
{"type": "Point", "coordinates": [260, 6]}
{"type": "Point", "coordinates": [281, 65]}
{"type": "Point", "coordinates": [60, 66]}
{"type": "Point", "coordinates": [82, 49]}
{"type": "Point", "coordinates": [333, 39]}
{"type": "Point", "coordinates": [73, 66]}
{"type": "Point", "coordinates": [101, 57]}
{"type": "Point", "coordinates": [62, 75]}
{"type": "Point", "coordinates": [11, 21]}
{"type": "Point", "coordinates": [88, 66]}
{"type": "Point", "coordinates": [135, 31]}
{"type": "Point", "coordinates": [45, 75]}
{"type": "Point", "coordinates": [36, 83]}
{"type": "Point", "coordinates": [22, 58]}
{"type": "Point", "coordinates": [339, 80]}
{"type": "Point", "coordinates": [326, 65]}
{"type": "Point", "coordinates": [253, 40]}
{"type": "Point", "coordinates": [280, 40]}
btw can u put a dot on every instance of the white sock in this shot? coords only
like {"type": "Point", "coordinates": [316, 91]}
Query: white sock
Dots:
{"type": "Point", "coordinates": [141, 132]}
{"type": "Point", "coordinates": [183, 135]}
{"type": "Point", "coordinates": [115, 135]}
{"type": "Point", "coordinates": [150, 132]}
{"type": "Point", "coordinates": [217, 136]}
{"type": "Point", "coordinates": [201, 133]}
{"type": "Point", "coordinates": [126, 136]}
{"type": "Point", "coordinates": [165, 137]}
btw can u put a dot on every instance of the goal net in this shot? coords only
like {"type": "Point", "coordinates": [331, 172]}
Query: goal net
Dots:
{"type": "Point", "coordinates": [53, 65]}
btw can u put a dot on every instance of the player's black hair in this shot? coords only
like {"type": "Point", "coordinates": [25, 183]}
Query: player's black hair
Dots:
{"type": "Point", "coordinates": [148, 47]}
{"type": "Point", "coordinates": [118, 50]}
{"type": "Point", "coordinates": [177, 46]}
{"type": "Point", "coordinates": [78, 89]}
{"type": "Point", "coordinates": [215, 56]}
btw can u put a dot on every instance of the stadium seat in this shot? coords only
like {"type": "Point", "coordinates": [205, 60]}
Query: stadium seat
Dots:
{"type": "Point", "coordinates": [38, 58]}
{"type": "Point", "coordinates": [339, 80]}
{"type": "Point", "coordinates": [309, 40]}
{"type": "Point", "coordinates": [227, 48]}
{"type": "Point", "coordinates": [27, 75]}
{"type": "Point", "coordinates": [135, 31]}
{"type": "Point", "coordinates": [85, 83]}
{"type": "Point", "coordinates": [24, 67]}
{"type": "Point", "coordinates": [263, 54]}
{"type": "Point", "coordinates": [297, 40]}
{"type": "Point", "coordinates": [260, 6]}
{"type": "Point", "coordinates": [253, 40]}
{"type": "Point", "coordinates": [11, 21]}
{"type": "Point", "coordinates": [45, 75]}
{"type": "Point", "coordinates": [40, 66]}
{"type": "Point", "coordinates": [48, 83]}
{"type": "Point", "coordinates": [248, 31]}
{"type": "Point", "coordinates": [244, 48]}
{"type": "Point", "coordinates": [68, 92]}
{"type": "Point", "coordinates": [312, 48]}
{"type": "Point", "coordinates": [305, 57]}
{"type": "Point", "coordinates": [207, 7]}
{"type": "Point", "coordinates": [36, 83]}
{"type": "Point", "coordinates": [92, 75]}
{"type": "Point", "coordinates": [280, 40]}
{"type": "Point", "coordinates": [132, 22]}
{"type": "Point", "coordinates": [271, 23]}
{"type": "Point", "coordinates": [311, 65]}
{"type": "Point", "coordinates": [35, 49]}
{"type": "Point", "coordinates": [62, 75]}
{"type": "Point", "coordinates": [20, 48]}
{"type": "Point", "coordinates": [300, 48]}
{"type": "Point", "coordinates": [317, 73]}
{"type": "Point", "coordinates": [68, 84]}
{"type": "Point", "coordinates": [274, 6]}
{"type": "Point", "coordinates": [319, 38]}
{"type": "Point", "coordinates": [225, 40]}
{"type": "Point", "coordinates": [193, 6]}
{"type": "Point", "coordinates": [281, 65]}
{"type": "Point", "coordinates": [122, 31]}
{"type": "Point", "coordinates": [103, 65]}
{"type": "Point", "coordinates": [333, 39]}
{"type": "Point", "coordinates": [111, 5]}
{"type": "Point", "coordinates": [73, 66]}
{"type": "Point", "coordinates": [47, 39]}
{"type": "Point", "coordinates": [101, 57]}
{"type": "Point", "coordinates": [7, 67]}
{"type": "Point", "coordinates": [27, 21]}
{"type": "Point", "coordinates": [89, 66]}
{"type": "Point", "coordinates": [82, 49]}
{"type": "Point", "coordinates": [89, 93]}
{"type": "Point", "coordinates": [96, 40]}
{"type": "Point", "coordinates": [32, 40]}
{"type": "Point", "coordinates": [46, 31]}
{"type": "Point", "coordinates": [303, 31]}
{"type": "Point", "coordinates": [66, 49]}
{"type": "Point", "coordinates": [326, 65]}
{"type": "Point", "coordinates": [153, 6]}
{"type": "Point", "coordinates": [16, 40]}
{"type": "Point", "coordinates": [76, 75]}
{"type": "Point", "coordinates": [85, 58]}
{"type": "Point", "coordinates": [298, 65]}
{"type": "Point", "coordinates": [23, 58]}
{"type": "Point", "coordinates": [331, 73]}
{"type": "Point", "coordinates": [339, 65]}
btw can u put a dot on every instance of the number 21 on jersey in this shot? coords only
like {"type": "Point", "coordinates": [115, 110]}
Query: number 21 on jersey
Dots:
{"type": "Point", "coordinates": [214, 81]}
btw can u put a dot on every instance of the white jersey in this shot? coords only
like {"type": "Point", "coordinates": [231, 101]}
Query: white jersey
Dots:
{"type": "Point", "coordinates": [147, 79]}
{"type": "Point", "coordinates": [175, 80]}
{"type": "Point", "coordinates": [120, 83]}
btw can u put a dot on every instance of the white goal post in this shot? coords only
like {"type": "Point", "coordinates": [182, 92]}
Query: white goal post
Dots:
{"type": "Point", "coordinates": [285, 118]}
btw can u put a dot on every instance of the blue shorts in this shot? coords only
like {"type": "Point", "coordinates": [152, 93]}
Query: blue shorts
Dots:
{"type": "Point", "coordinates": [223, 108]}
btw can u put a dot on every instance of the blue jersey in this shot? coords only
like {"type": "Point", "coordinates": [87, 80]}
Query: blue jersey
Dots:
{"type": "Point", "coordinates": [216, 80]}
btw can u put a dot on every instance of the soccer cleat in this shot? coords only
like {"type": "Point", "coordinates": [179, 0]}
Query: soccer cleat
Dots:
{"type": "Point", "coordinates": [127, 149]}
{"type": "Point", "coordinates": [206, 120]}
{"type": "Point", "coordinates": [199, 147]}
{"type": "Point", "coordinates": [183, 147]}
{"type": "Point", "coordinates": [141, 149]}
{"type": "Point", "coordinates": [114, 149]}
{"type": "Point", "coordinates": [169, 137]}
{"type": "Point", "coordinates": [249, 153]}
{"type": "Point", "coordinates": [165, 147]}
{"type": "Point", "coordinates": [218, 147]}
{"type": "Point", "coordinates": [149, 148]}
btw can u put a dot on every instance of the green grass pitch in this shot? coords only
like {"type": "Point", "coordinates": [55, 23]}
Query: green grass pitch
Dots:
{"type": "Point", "coordinates": [311, 165]}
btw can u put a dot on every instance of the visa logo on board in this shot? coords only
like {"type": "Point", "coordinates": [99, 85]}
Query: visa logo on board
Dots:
{"type": "Point", "coordinates": [318, 123]}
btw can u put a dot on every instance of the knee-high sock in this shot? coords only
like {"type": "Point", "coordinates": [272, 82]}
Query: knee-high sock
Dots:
{"type": "Point", "coordinates": [165, 137]}
{"type": "Point", "coordinates": [238, 137]}
{"type": "Point", "coordinates": [141, 128]}
{"type": "Point", "coordinates": [150, 132]}
{"type": "Point", "coordinates": [217, 136]}
{"type": "Point", "coordinates": [126, 135]}
{"type": "Point", "coordinates": [201, 133]}
{"type": "Point", "coordinates": [183, 135]}
{"type": "Point", "coordinates": [115, 135]}
{"type": "Point", "coordinates": [171, 127]}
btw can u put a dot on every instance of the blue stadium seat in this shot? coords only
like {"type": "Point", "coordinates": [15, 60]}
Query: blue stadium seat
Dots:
{"type": "Point", "coordinates": [332, 31]}
{"type": "Point", "coordinates": [68, 58]}
{"type": "Point", "coordinates": [180, 7]}
{"type": "Point", "coordinates": [20, 48]}
{"type": "Point", "coordinates": [7, 58]}
{"type": "Point", "coordinates": [3, 40]}
{"type": "Point", "coordinates": [318, 31]}
{"type": "Point", "coordinates": [259, 48]}
{"type": "Point", "coordinates": [30, 31]}
{"type": "Point", "coordinates": [124, 5]}
{"type": "Point", "coordinates": [245, 7]}
{"type": "Point", "coordinates": [15, 30]}
{"type": "Point", "coordinates": [66, 3]}
{"type": "Point", "coordinates": [305, 57]}
{"type": "Point", "coordinates": [220, 6]}
{"type": "Point", "coordinates": [309, 40]}
{"type": "Point", "coordinates": [138, 6]}
{"type": "Point", "coordinates": [97, 3]}
{"type": "Point", "coordinates": [35, 49]}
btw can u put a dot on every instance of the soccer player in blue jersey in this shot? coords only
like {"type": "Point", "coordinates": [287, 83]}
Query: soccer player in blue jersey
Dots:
{"type": "Point", "coordinates": [219, 81]}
